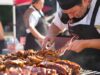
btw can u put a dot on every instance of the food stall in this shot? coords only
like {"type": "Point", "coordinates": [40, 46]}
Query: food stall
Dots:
{"type": "Point", "coordinates": [44, 62]}
{"type": "Point", "coordinates": [15, 3]}
{"type": "Point", "coordinates": [30, 62]}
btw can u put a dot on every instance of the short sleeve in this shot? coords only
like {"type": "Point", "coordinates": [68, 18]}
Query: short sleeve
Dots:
{"type": "Point", "coordinates": [58, 22]}
{"type": "Point", "coordinates": [33, 19]}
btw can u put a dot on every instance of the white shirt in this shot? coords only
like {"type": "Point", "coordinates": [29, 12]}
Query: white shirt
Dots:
{"type": "Point", "coordinates": [34, 18]}
{"type": "Point", "coordinates": [86, 20]}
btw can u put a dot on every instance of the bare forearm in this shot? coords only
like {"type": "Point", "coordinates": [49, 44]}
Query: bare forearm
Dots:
{"type": "Point", "coordinates": [36, 34]}
{"type": "Point", "coordinates": [79, 45]}
{"type": "Point", "coordinates": [1, 31]}
{"type": "Point", "coordinates": [53, 31]}
{"type": "Point", "coordinates": [93, 43]}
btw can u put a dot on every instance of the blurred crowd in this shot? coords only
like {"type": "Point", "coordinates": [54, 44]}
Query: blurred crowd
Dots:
{"type": "Point", "coordinates": [48, 10]}
{"type": "Point", "coordinates": [39, 24]}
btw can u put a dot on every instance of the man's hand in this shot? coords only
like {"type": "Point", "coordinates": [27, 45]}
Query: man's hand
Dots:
{"type": "Point", "coordinates": [78, 45]}
{"type": "Point", "coordinates": [48, 43]}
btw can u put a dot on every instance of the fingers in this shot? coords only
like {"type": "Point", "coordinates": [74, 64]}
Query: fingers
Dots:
{"type": "Point", "coordinates": [76, 46]}
{"type": "Point", "coordinates": [49, 46]}
{"type": "Point", "coordinates": [48, 43]}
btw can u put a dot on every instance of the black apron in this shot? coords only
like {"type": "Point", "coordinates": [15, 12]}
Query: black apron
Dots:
{"type": "Point", "coordinates": [31, 41]}
{"type": "Point", "coordinates": [89, 58]}
{"type": "Point", "coordinates": [2, 45]}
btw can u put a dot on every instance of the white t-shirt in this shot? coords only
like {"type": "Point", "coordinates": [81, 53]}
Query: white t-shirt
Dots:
{"type": "Point", "coordinates": [86, 20]}
{"type": "Point", "coordinates": [34, 17]}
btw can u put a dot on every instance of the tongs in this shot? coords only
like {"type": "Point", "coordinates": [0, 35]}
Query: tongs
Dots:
{"type": "Point", "coordinates": [63, 49]}
{"type": "Point", "coordinates": [49, 46]}
{"type": "Point", "coordinates": [60, 52]}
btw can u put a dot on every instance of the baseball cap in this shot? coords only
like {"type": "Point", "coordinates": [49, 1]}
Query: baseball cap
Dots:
{"type": "Point", "coordinates": [67, 4]}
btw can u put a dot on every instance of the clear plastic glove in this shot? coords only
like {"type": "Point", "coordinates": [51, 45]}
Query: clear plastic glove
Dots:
{"type": "Point", "coordinates": [48, 43]}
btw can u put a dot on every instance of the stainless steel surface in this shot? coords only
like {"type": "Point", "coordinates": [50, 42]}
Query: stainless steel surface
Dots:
{"type": "Point", "coordinates": [89, 72]}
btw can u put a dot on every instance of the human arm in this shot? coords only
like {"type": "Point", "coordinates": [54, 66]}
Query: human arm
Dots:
{"type": "Point", "coordinates": [1, 31]}
{"type": "Point", "coordinates": [79, 45]}
{"type": "Point", "coordinates": [55, 28]}
{"type": "Point", "coordinates": [36, 34]}
{"type": "Point", "coordinates": [53, 31]}
{"type": "Point", "coordinates": [33, 21]}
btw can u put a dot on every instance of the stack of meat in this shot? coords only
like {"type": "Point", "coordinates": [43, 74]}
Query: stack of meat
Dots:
{"type": "Point", "coordinates": [44, 62]}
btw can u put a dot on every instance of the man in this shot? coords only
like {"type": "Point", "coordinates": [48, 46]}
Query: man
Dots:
{"type": "Point", "coordinates": [35, 24]}
{"type": "Point", "coordinates": [81, 18]}
{"type": "Point", "coordinates": [20, 27]}
{"type": "Point", "coordinates": [2, 39]}
{"type": "Point", "coordinates": [49, 9]}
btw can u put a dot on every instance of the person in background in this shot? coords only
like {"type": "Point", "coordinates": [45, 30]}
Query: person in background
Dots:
{"type": "Point", "coordinates": [81, 19]}
{"type": "Point", "coordinates": [36, 27]}
{"type": "Point", "coordinates": [2, 39]}
{"type": "Point", "coordinates": [49, 9]}
{"type": "Point", "coordinates": [20, 26]}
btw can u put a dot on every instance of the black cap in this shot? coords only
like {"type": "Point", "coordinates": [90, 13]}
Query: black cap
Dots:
{"type": "Point", "coordinates": [67, 4]}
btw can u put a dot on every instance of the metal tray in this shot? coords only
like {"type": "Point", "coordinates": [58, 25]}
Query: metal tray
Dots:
{"type": "Point", "coordinates": [89, 72]}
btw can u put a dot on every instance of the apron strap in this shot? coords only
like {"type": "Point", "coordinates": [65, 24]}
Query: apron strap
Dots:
{"type": "Point", "coordinates": [95, 13]}
{"type": "Point", "coordinates": [38, 11]}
